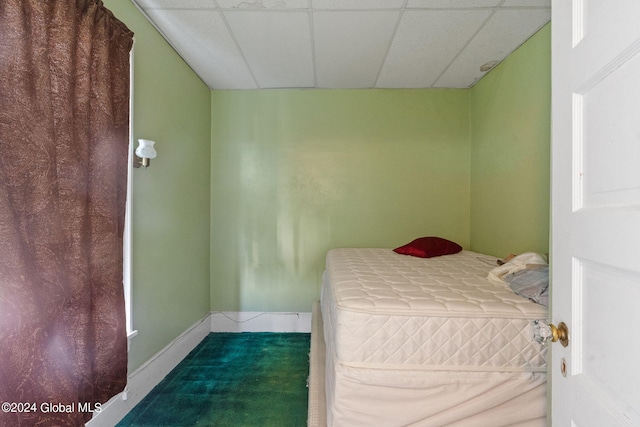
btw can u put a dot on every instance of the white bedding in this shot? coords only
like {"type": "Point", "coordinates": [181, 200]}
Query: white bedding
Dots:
{"type": "Point", "coordinates": [428, 342]}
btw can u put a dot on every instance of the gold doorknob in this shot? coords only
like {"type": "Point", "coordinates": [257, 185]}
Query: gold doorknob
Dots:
{"type": "Point", "coordinates": [560, 333]}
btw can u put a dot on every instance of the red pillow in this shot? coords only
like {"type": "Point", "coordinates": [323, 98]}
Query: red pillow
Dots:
{"type": "Point", "coordinates": [427, 247]}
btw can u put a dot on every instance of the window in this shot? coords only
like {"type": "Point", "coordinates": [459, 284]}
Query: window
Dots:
{"type": "Point", "coordinates": [128, 230]}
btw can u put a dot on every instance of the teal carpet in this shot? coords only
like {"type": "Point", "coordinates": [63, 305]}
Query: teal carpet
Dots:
{"type": "Point", "coordinates": [232, 379]}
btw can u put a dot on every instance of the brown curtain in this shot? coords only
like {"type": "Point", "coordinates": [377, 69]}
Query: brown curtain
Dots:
{"type": "Point", "coordinates": [64, 123]}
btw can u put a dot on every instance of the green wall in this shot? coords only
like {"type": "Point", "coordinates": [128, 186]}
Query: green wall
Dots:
{"type": "Point", "coordinates": [297, 172]}
{"type": "Point", "coordinates": [510, 134]}
{"type": "Point", "coordinates": [171, 198]}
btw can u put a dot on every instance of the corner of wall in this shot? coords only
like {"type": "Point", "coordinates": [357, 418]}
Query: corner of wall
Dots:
{"type": "Point", "coordinates": [510, 112]}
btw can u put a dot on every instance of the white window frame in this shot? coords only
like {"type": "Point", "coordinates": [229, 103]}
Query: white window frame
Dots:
{"type": "Point", "coordinates": [128, 229]}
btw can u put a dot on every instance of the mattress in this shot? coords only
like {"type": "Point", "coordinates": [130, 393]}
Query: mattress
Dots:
{"type": "Point", "coordinates": [428, 342]}
{"type": "Point", "coordinates": [395, 311]}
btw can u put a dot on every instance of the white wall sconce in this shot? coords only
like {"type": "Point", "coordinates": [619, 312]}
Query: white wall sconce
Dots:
{"type": "Point", "coordinates": [144, 153]}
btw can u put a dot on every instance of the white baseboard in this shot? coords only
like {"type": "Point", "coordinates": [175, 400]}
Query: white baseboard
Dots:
{"type": "Point", "coordinates": [243, 321]}
{"type": "Point", "coordinates": [147, 376]}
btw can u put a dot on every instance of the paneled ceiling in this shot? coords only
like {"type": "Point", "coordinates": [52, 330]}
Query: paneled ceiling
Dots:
{"type": "Point", "coordinates": [260, 44]}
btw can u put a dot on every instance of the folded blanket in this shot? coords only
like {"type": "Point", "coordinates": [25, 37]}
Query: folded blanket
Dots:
{"type": "Point", "coordinates": [531, 283]}
{"type": "Point", "coordinates": [515, 264]}
{"type": "Point", "coordinates": [527, 275]}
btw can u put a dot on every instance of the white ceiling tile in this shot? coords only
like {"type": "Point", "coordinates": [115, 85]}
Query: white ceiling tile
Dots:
{"type": "Point", "coordinates": [205, 44]}
{"type": "Point", "coordinates": [264, 4]}
{"type": "Point", "coordinates": [451, 4]}
{"type": "Point", "coordinates": [356, 4]}
{"type": "Point", "coordinates": [351, 46]}
{"type": "Point", "coordinates": [176, 4]}
{"type": "Point", "coordinates": [425, 43]}
{"type": "Point", "coordinates": [505, 31]}
{"type": "Point", "coordinates": [246, 44]}
{"type": "Point", "coordinates": [277, 46]}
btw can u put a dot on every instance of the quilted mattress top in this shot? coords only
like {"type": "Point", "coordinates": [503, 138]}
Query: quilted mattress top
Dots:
{"type": "Point", "coordinates": [391, 311]}
{"type": "Point", "coordinates": [376, 280]}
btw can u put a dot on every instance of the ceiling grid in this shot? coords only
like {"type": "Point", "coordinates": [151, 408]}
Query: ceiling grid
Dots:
{"type": "Point", "coordinates": [342, 44]}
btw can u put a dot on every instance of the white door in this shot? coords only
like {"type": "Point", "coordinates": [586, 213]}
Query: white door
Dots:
{"type": "Point", "coordinates": [595, 251]}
